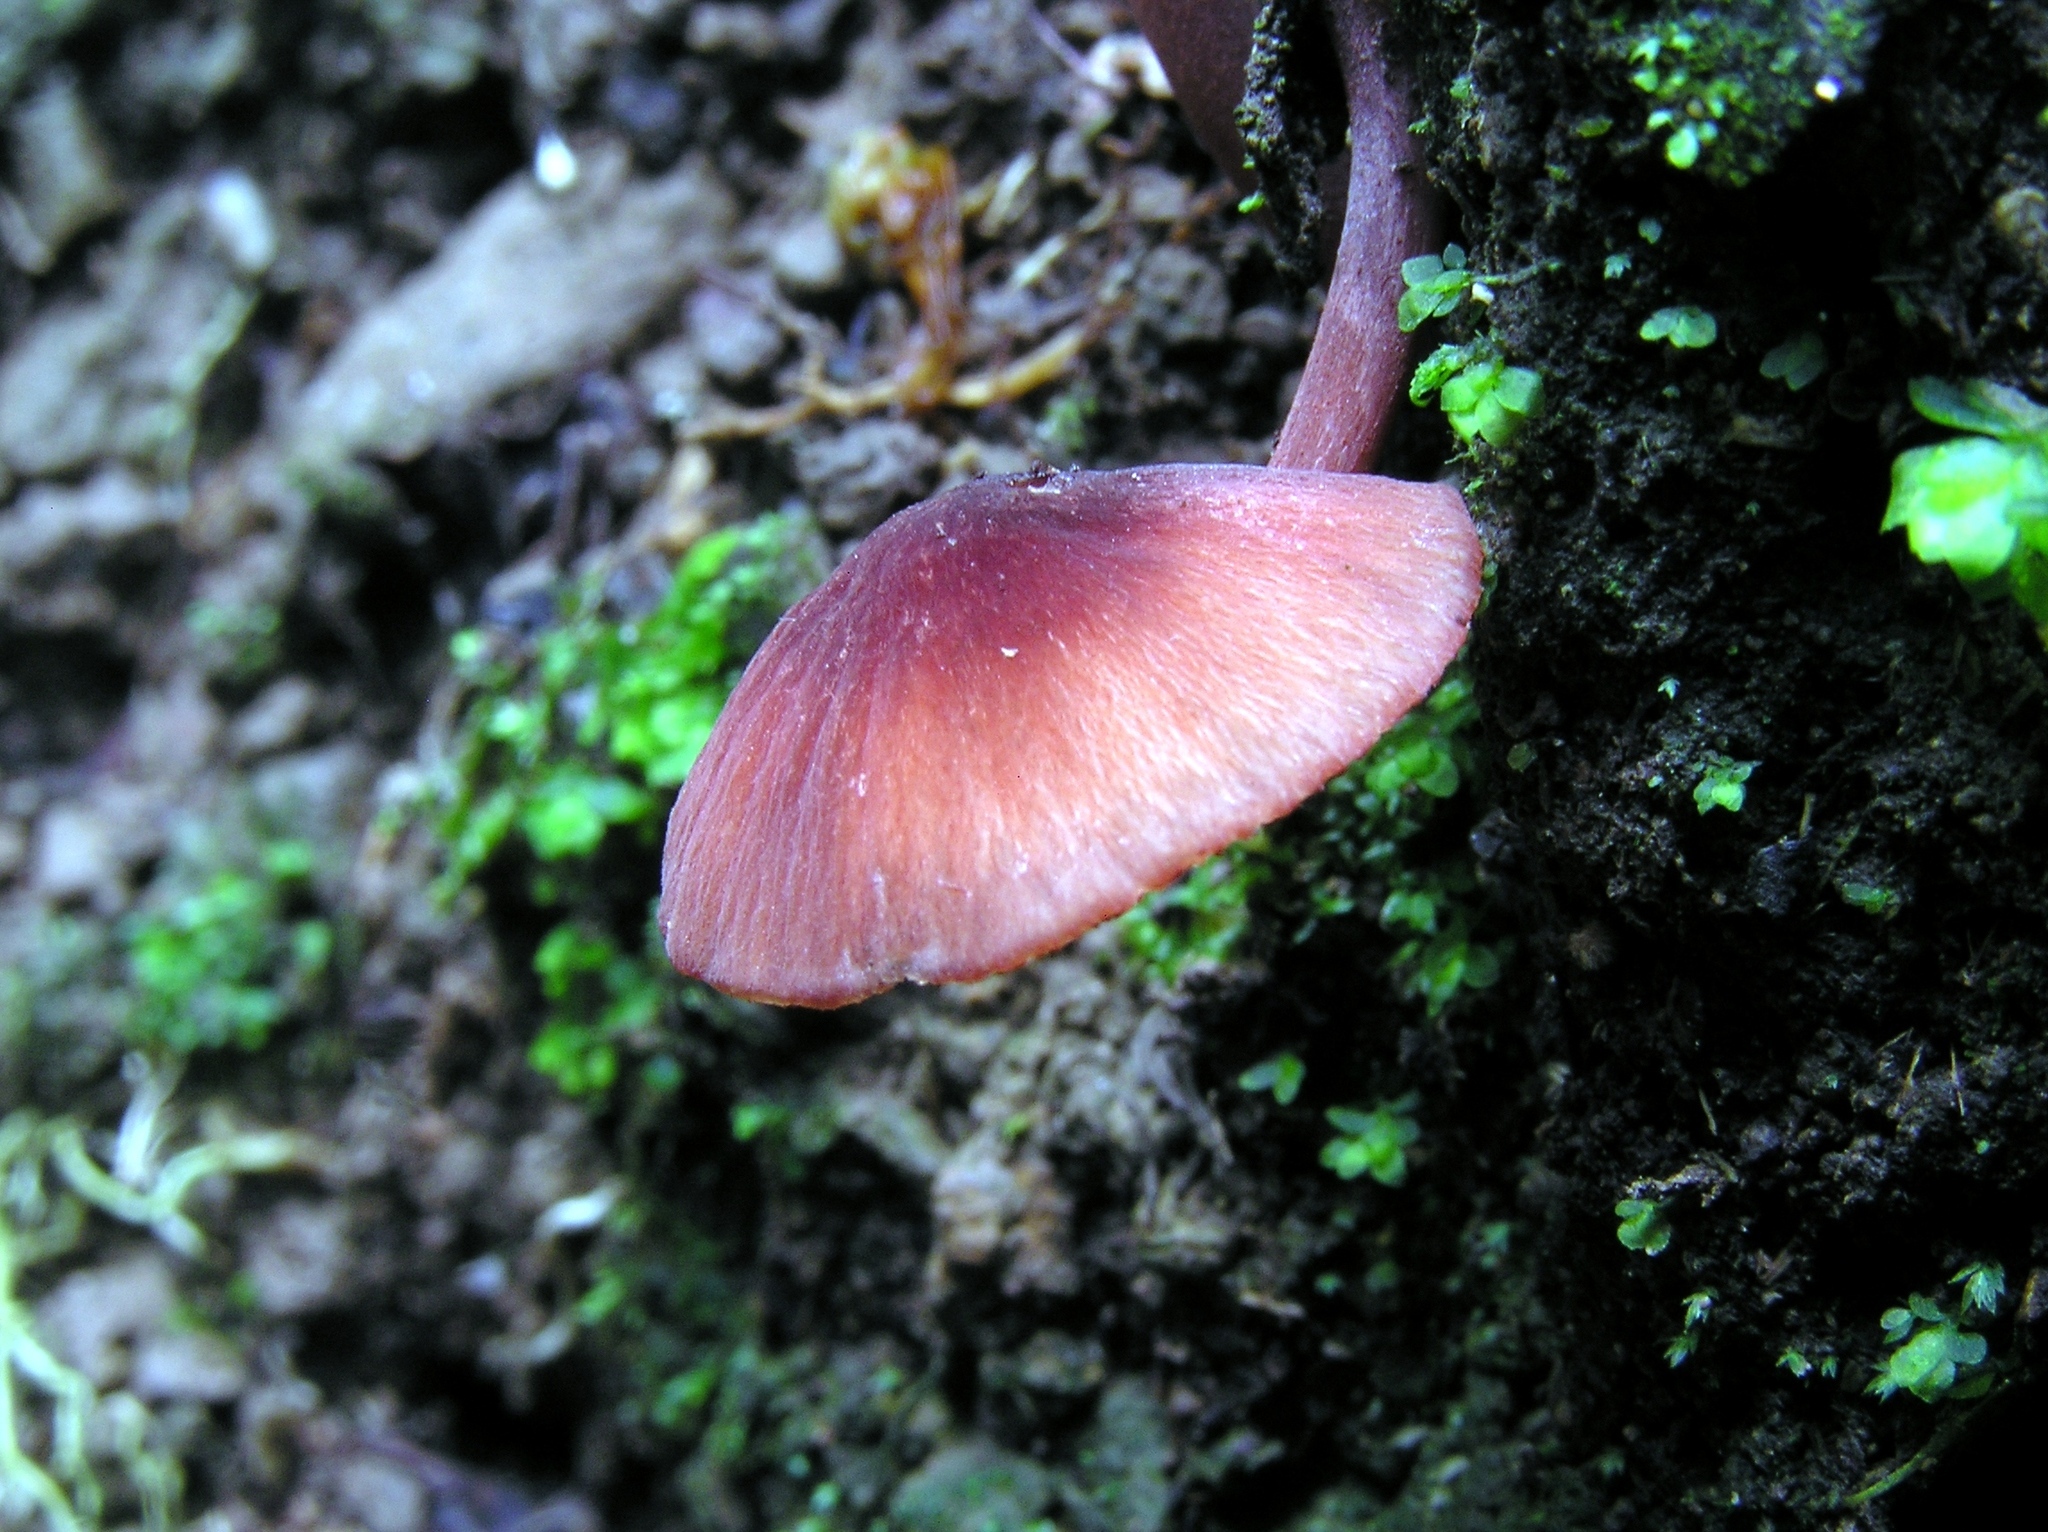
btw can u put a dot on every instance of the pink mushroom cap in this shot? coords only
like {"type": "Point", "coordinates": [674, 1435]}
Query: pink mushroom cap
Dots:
{"type": "Point", "coordinates": [1022, 704]}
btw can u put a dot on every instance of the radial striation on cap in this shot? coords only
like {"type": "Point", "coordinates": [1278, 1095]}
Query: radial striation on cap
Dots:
{"type": "Point", "coordinates": [1022, 704]}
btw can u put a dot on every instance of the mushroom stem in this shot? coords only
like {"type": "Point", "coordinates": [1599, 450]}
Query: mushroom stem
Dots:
{"type": "Point", "coordinates": [1358, 367]}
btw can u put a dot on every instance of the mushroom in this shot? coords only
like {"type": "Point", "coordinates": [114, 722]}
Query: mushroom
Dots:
{"type": "Point", "coordinates": [1020, 705]}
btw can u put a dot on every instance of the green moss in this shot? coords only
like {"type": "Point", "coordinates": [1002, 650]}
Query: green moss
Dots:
{"type": "Point", "coordinates": [1643, 1226]}
{"type": "Point", "coordinates": [1685, 327]}
{"type": "Point", "coordinates": [1979, 502]}
{"type": "Point", "coordinates": [1372, 1143]}
{"type": "Point", "coordinates": [1354, 849]}
{"type": "Point", "coordinates": [1290, 127]}
{"type": "Point", "coordinates": [1483, 398]}
{"type": "Point", "coordinates": [1197, 921]}
{"type": "Point", "coordinates": [1722, 783]}
{"type": "Point", "coordinates": [1730, 85]}
{"type": "Point", "coordinates": [599, 998]}
{"type": "Point", "coordinates": [219, 955]}
{"type": "Point", "coordinates": [573, 733]}
{"type": "Point", "coordinates": [566, 747]}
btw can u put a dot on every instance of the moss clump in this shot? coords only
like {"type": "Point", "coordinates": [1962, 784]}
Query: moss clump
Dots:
{"type": "Point", "coordinates": [1732, 84]}
{"type": "Point", "coordinates": [1358, 846]}
{"type": "Point", "coordinates": [565, 744]}
{"type": "Point", "coordinates": [1979, 503]}
{"type": "Point", "coordinates": [216, 958]}
{"type": "Point", "coordinates": [1291, 124]}
{"type": "Point", "coordinates": [565, 733]}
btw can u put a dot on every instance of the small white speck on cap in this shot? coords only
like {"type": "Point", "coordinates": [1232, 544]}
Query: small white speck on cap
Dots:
{"type": "Point", "coordinates": [1828, 88]}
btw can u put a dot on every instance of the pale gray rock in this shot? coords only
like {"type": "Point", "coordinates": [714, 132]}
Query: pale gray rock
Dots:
{"type": "Point", "coordinates": [27, 27]}
{"type": "Point", "coordinates": [92, 1315]}
{"type": "Point", "coordinates": [737, 342]}
{"type": "Point", "coordinates": [171, 728]}
{"type": "Point", "coordinates": [298, 1258]}
{"type": "Point", "coordinates": [897, 1131]}
{"type": "Point", "coordinates": [187, 1364]}
{"type": "Point", "coordinates": [807, 257]}
{"type": "Point", "coordinates": [48, 521]}
{"type": "Point", "coordinates": [976, 1485]}
{"type": "Point", "coordinates": [321, 796]}
{"type": "Point", "coordinates": [530, 285]}
{"type": "Point", "coordinates": [63, 180]}
{"type": "Point", "coordinates": [859, 475]}
{"type": "Point", "coordinates": [742, 31]}
{"type": "Point", "coordinates": [278, 719]}
{"type": "Point", "coordinates": [239, 216]}
{"type": "Point", "coordinates": [551, 1164]}
{"type": "Point", "coordinates": [436, 45]}
{"type": "Point", "coordinates": [119, 375]}
{"type": "Point", "coordinates": [1268, 327]}
{"type": "Point", "coordinates": [379, 1495]}
{"type": "Point", "coordinates": [1154, 194]}
{"type": "Point", "coordinates": [975, 1197]}
{"type": "Point", "coordinates": [1181, 297]}
{"type": "Point", "coordinates": [74, 856]}
{"type": "Point", "coordinates": [561, 42]}
{"type": "Point", "coordinates": [1126, 1459]}
{"type": "Point", "coordinates": [670, 379]}
{"type": "Point", "coordinates": [267, 1424]}
{"type": "Point", "coordinates": [85, 846]}
{"type": "Point", "coordinates": [455, 1169]}
{"type": "Point", "coordinates": [181, 66]}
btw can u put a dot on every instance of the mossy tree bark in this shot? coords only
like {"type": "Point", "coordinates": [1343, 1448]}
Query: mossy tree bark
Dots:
{"type": "Point", "coordinates": [1816, 1020]}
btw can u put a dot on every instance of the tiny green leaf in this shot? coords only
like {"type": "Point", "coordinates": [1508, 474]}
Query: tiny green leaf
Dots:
{"type": "Point", "coordinates": [1796, 361]}
{"type": "Point", "coordinates": [1684, 326]}
{"type": "Point", "coordinates": [1282, 1074]}
{"type": "Point", "coordinates": [1983, 1285]}
{"type": "Point", "coordinates": [1960, 501]}
{"type": "Point", "coordinates": [1643, 1226]}
{"type": "Point", "coordinates": [1721, 784]}
{"type": "Point", "coordinates": [1979, 405]}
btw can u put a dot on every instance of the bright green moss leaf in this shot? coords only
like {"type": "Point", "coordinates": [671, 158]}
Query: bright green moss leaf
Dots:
{"type": "Point", "coordinates": [1643, 1226]}
{"type": "Point", "coordinates": [1372, 1143]}
{"type": "Point", "coordinates": [1433, 287]}
{"type": "Point", "coordinates": [1983, 1285]}
{"type": "Point", "coordinates": [215, 959]}
{"type": "Point", "coordinates": [1990, 409]}
{"type": "Point", "coordinates": [582, 729]}
{"type": "Point", "coordinates": [1684, 326]}
{"type": "Point", "coordinates": [1979, 503]}
{"type": "Point", "coordinates": [571, 808]}
{"type": "Point", "coordinates": [1961, 502]}
{"type": "Point", "coordinates": [1344, 853]}
{"type": "Point", "coordinates": [1482, 396]}
{"type": "Point", "coordinates": [1927, 1365]}
{"type": "Point", "coordinates": [1282, 1075]}
{"type": "Point", "coordinates": [1797, 361]}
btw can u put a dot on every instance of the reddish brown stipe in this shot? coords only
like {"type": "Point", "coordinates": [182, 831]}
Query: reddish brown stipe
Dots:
{"type": "Point", "coordinates": [1022, 704]}
{"type": "Point", "coordinates": [1358, 367]}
